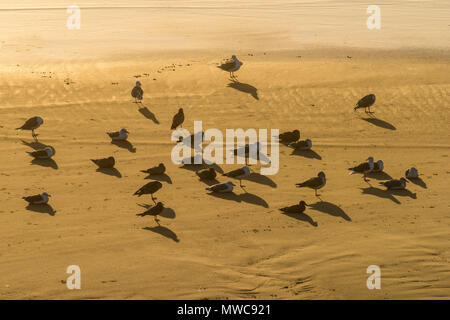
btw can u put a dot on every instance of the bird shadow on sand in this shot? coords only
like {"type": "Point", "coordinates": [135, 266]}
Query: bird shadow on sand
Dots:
{"type": "Point", "coordinates": [244, 87]}
{"type": "Point", "coordinates": [36, 145]}
{"type": "Point", "coordinates": [379, 175]}
{"type": "Point", "coordinates": [41, 208]}
{"type": "Point", "coordinates": [125, 144]}
{"type": "Point", "coordinates": [164, 231]}
{"type": "Point", "coordinates": [403, 193]}
{"type": "Point", "coordinates": [110, 172]}
{"type": "Point", "coordinates": [195, 167]}
{"type": "Point", "coordinates": [379, 123]}
{"type": "Point", "coordinates": [379, 193]}
{"type": "Point", "coordinates": [168, 213]}
{"type": "Point", "coordinates": [301, 217]}
{"type": "Point", "coordinates": [148, 114]}
{"type": "Point", "coordinates": [50, 163]}
{"type": "Point", "coordinates": [418, 182]}
{"type": "Point", "coordinates": [209, 182]}
{"type": "Point", "coordinates": [261, 179]}
{"type": "Point", "coordinates": [330, 208]}
{"type": "Point", "coordinates": [159, 177]}
{"type": "Point", "coordinates": [311, 154]}
{"type": "Point", "coordinates": [243, 197]}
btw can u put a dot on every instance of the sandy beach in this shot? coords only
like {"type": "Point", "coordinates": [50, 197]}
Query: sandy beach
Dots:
{"type": "Point", "coordinates": [306, 64]}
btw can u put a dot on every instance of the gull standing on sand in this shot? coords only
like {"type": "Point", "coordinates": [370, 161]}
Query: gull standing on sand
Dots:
{"type": "Point", "coordinates": [394, 184]}
{"type": "Point", "coordinates": [239, 174]}
{"type": "Point", "coordinates": [298, 208]}
{"type": "Point", "coordinates": [45, 153]}
{"type": "Point", "coordinates": [153, 211]}
{"type": "Point", "coordinates": [118, 135]}
{"type": "Point", "coordinates": [178, 119]}
{"type": "Point", "coordinates": [157, 170]}
{"type": "Point", "coordinates": [32, 124]}
{"type": "Point", "coordinates": [222, 187]}
{"type": "Point", "coordinates": [366, 103]}
{"type": "Point", "coordinates": [150, 188]}
{"type": "Point", "coordinates": [37, 199]}
{"type": "Point", "coordinates": [137, 93]}
{"type": "Point", "coordinates": [231, 66]}
{"type": "Point", "coordinates": [363, 168]}
{"type": "Point", "coordinates": [315, 183]}
{"type": "Point", "coordinates": [105, 163]}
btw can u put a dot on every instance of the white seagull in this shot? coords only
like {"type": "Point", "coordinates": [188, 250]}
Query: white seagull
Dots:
{"type": "Point", "coordinates": [231, 66]}
{"type": "Point", "coordinates": [222, 187]}
{"type": "Point", "coordinates": [37, 199]}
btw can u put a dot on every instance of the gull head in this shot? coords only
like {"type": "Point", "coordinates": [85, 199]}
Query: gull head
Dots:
{"type": "Point", "coordinates": [138, 83]}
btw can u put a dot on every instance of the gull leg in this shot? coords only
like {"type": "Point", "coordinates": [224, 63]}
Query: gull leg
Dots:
{"type": "Point", "coordinates": [153, 198]}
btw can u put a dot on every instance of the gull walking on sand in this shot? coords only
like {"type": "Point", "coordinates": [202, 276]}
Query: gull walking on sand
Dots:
{"type": "Point", "coordinates": [239, 174]}
{"type": "Point", "coordinates": [366, 102]}
{"type": "Point", "coordinates": [153, 211]}
{"type": "Point", "coordinates": [32, 124]}
{"type": "Point", "coordinates": [150, 188]}
{"type": "Point", "coordinates": [363, 168]}
{"type": "Point", "coordinates": [231, 66]}
{"type": "Point", "coordinates": [315, 183]}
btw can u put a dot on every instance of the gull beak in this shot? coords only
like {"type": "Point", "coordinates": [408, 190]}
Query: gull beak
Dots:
{"type": "Point", "coordinates": [48, 195]}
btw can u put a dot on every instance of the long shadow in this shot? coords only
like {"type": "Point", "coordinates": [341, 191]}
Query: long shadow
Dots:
{"type": "Point", "coordinates": [379, 175]}
{"type": "Point", "coordinates": [194, 167]}
{"type": "Point", "coordinates": [209, 182]}
{"type": "Point", "coordinates": [36, 145]}
{"type": "Point", "coordinates": [301, 217]}
{"type": "Point", "coordinates": [168, 213]}
{"type": "Point", "coordinates": [379, 193]}
{"type": "Point", "coordinates": [41, 208]}
{"type": "Point", "coordinates": [311, 154]}
{"type": "Point", "coordinates": [148, 114]}
{"type": "Point", "coordinates": [330, 208]}
{"type": "Point", "coordinates": [110, 172]}
{"type": "Point", "coordinates": [244, 197]}
{"type": "Point", "coordinates": [50, 163]}
{"type": "Point", "coordinates": [261, 179]}
{"type": "Point", "coordinates": [166, 232]}
{"type": "Point", "coordinates": [380, 123]}
{"type": "Point", "coordinates": [160, 177]}
{"type": "Point", "coordinates": [419, 182]}
{"type": "Point", "coordinates": [403, 193]}
{"type": "Point", "coordinates": [244, 87]}
{"type": "Point", "coordinates": [125, 144]}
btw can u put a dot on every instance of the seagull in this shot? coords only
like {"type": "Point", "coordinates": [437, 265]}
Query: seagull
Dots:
{"type": "Point", "coordinates": [394, 184]}
{"type": "Point", "coordinates": [363, 168]}
{"type": "Point", "coordinates": [153, 211]}
{"type": "Point", "coordinates": [32, 124]}
{"type": "Point", "coordinates": [105, 163]}
{"type": "Point", "coordinates": [178, 119]}
{"type": "Point", "coordinates": [196, 139]}
{"type": "Point", "coordinates": [290, 136]}
{"type": "Point", "coordinates": [239, 174]}
{"type": "Point", "coordinates": [158, 170]}
{"type": "Point", "coordinates": [149, 188]}
{"type": "Point", "coordinates": [301, 145]}
{"type": "Point", "coordinates": [247, 149]}
{"type": "Point", "coordinates": [412, 173]}
{"type": "Point", "coordinates": [231, 66]}
{"type": "Point", "coordinates": [45, 153]}
{"type": "Point", "coordinates": [378, 166]}
{"type": "Point", "coordinates": [298, 208]}
{"type": "Point", "coordinates": [206, 174]}
{"type": "Point", "coordinates": [118, 135]}
{"type": "Point", "coordinates": [137, 93]}
{"type": "Point", "coordinates": [366, 103]}
{"type": "Point", "coordinates": [222, 187]}
{"type": "Point", "coordinates": [37, 199]}
{"type": "Point", "coordinates": [314, 183]}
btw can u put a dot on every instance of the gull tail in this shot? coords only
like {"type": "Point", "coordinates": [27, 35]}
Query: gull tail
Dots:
{"type": "Point", "coordinates": [140, 214]}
